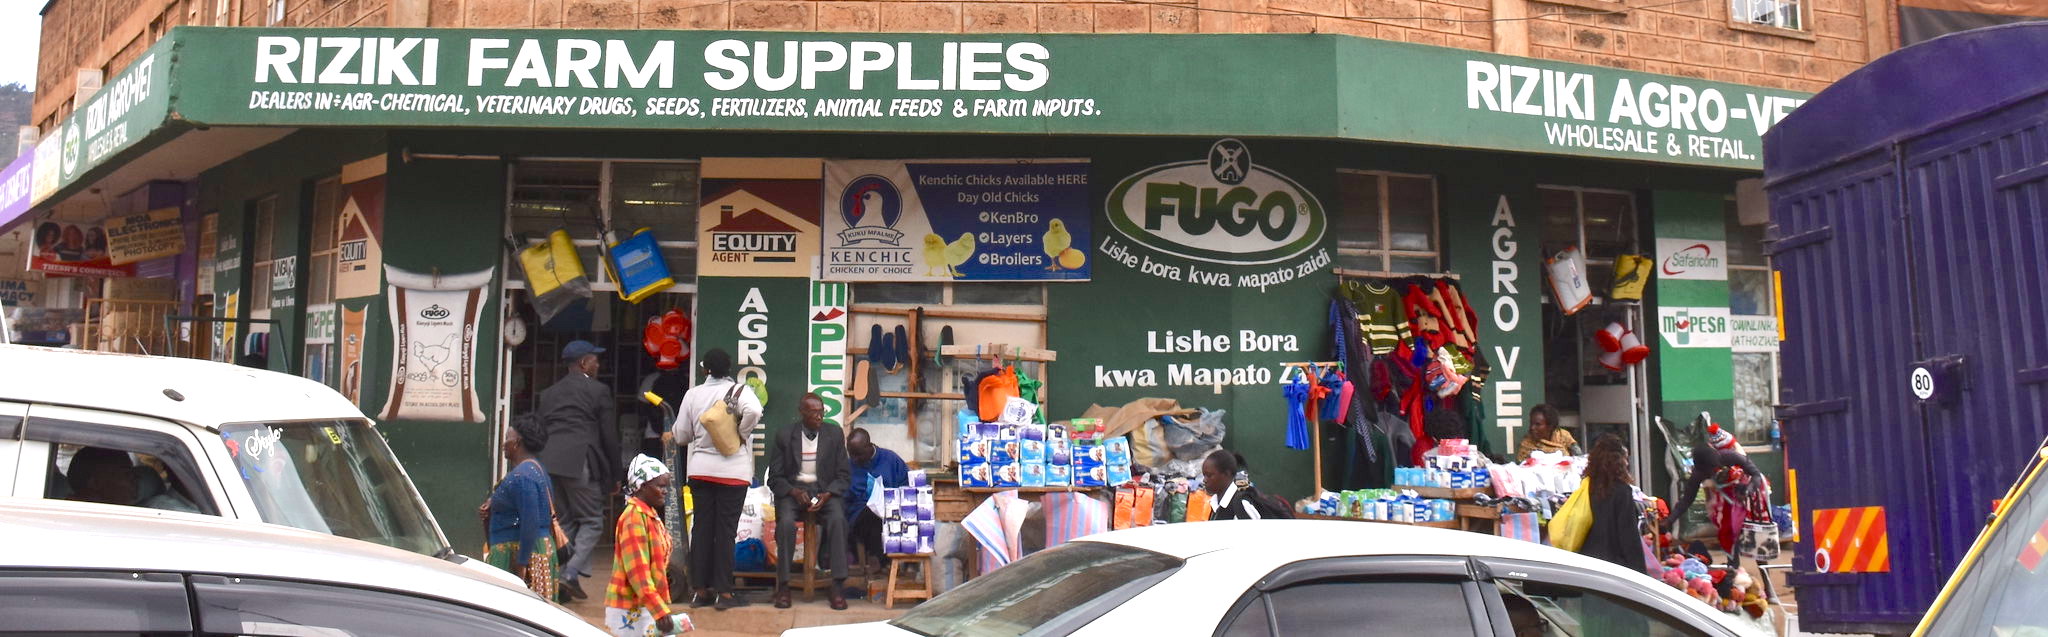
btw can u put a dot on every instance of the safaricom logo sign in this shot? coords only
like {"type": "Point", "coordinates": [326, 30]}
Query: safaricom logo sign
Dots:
{"type": "Point", "coordinates": [1694, 259]}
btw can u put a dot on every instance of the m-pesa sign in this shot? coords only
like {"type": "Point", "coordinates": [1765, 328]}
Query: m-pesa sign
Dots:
{"type": "Point", "coordinates": [1692, 259]}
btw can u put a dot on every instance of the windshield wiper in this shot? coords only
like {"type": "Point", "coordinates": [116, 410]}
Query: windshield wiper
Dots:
{"type": "Point", "coordinates": [446, 553]}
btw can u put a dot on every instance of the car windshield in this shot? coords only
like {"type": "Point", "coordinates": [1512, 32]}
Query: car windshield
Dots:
{"type": "Point", "coordinates": [332, 476]}
{"type": "Point", "coordinates": [1052, 592]}
{"type": "Point", "coordinates": [2005, 591]}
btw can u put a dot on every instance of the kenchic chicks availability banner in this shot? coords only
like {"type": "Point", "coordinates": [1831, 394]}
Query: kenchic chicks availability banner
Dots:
{"type": "Point", "coordinates": [433, 328]}
{"type": "Point", "coordinates": [956, 221]}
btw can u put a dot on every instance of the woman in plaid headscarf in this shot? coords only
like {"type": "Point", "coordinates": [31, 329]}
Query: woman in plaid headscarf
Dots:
{"type": "Point", "coordinates": [636, 602]}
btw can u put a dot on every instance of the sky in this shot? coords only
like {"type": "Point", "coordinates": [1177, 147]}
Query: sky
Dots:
{"type": "Point", "coordinates": [20, 26]}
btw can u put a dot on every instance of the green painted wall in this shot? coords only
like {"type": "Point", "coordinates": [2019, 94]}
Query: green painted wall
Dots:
{"type": "Point", "coordinates": [442, 215]}
{"type": "Point", "coordinates": [764, 315]}
{"type": "Point", "coordinates": [1493, 238]}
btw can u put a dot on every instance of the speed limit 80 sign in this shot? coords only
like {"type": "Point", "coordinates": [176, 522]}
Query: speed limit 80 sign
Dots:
{"type": "Point", "coordinates": [1923, 383]}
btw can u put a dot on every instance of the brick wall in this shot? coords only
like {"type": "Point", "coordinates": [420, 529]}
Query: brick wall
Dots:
{"type": "Point", "coordinates": [1687, 38]}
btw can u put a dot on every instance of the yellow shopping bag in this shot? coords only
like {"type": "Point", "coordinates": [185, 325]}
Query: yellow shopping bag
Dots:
{"type": "Point", "coordinates": [1574, 520]}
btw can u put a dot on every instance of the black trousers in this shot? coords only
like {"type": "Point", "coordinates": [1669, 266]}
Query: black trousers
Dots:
{"type": "Point", "coordinates": [831, 546]}
{"type": "Point", "coordinates": [867, 532]}
{"type": "Point", "coordinates": [712, 534]}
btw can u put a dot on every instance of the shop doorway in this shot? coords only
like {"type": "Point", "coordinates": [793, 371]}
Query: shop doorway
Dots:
{"type": "Point", "coordinates": [586, 198]}
{"type": "Point", "coordinates": [1593, 398]}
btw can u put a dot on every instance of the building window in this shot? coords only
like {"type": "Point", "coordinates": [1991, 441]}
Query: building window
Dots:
{"type": "Point", "coordinates": [1387, 222]}
{"type": "Point", "coordinates": [262, 255]}
{"type": "Point", "coordinates": [1782, 14]}
{"type": "Point", "coordinates": [276, 14]}
{"type": "Point", "coordinates": [328, 198]}
{"type": "Point", "coordinates": [1749, 294]}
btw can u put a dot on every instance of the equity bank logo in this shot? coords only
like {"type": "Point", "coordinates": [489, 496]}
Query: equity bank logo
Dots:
{"type": "Point", "coordinates": [1222, 209]}
{"type": "Point", "coordinates": [871, 206]}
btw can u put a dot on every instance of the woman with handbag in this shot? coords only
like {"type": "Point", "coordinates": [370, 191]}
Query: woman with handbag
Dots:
{"type": "Point", "coordinates": [714, 423]}
{"type": "Point", "coordinates": [1615, 534]}
{"type": "Point", "coordinates": [520, 515]}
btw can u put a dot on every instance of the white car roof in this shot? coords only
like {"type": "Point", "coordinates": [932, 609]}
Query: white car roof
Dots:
{"type": "Point", "coordinates": [214, 393]}
{"type": "Point", "coordinates": [75, 535]}
{"type": "Point", "coordinates": [1268, 544]}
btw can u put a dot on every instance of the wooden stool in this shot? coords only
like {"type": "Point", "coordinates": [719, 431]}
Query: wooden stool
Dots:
{"type": "Point", "coordinates": [803, 573]}
{"type": "Point", "coordinates": [896, 563]}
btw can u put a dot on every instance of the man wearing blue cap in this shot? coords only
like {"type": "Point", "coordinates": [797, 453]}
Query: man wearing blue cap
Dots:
{"type": "Point", "coordinates": [582, 456]}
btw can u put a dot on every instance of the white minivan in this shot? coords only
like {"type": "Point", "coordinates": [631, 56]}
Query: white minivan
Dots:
{"type": "Point", "coordinates": [218, 439]}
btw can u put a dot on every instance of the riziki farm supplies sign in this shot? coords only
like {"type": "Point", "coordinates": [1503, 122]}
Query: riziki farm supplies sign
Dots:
{"type": "Point", "coordinates": [1338, 87]}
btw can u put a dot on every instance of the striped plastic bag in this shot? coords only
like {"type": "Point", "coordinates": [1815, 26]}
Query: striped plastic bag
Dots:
{"type": "Point", "coordinates": [1071, 515]}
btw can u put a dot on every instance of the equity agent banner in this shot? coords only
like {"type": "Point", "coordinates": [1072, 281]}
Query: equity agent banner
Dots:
{"type": "Point", "coordinates": [956, 220]}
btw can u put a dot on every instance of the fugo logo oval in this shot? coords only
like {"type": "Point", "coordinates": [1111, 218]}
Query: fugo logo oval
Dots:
{"type": "Point", "coordinates": [1220, 209]}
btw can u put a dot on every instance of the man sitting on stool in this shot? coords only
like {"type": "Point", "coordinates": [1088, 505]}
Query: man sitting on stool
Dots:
{"type": "Point", "coordinates": [807, 471]}
{"type": "Point", "coordinates": [870, 462]}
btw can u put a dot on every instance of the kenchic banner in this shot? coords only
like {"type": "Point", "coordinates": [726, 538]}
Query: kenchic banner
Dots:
{"type": "Point", "coordinates": [433, 327]}
{"type": "Point", "coordinates": [150, 235]}
{"type": "Point", "coordinates": [956, 221]}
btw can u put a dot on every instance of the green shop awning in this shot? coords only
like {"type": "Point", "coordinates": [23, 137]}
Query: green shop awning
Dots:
{"type": "Point", "coordinates": [1298, 86]}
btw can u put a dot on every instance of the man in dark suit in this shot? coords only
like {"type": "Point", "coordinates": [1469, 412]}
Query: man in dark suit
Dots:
{"type": "Point", "coordinates": [808, 472]}
{"type": "Point", "coordinates": [582, 456]}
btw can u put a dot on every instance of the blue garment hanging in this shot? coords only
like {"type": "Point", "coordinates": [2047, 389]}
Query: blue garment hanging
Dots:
{"type": "Point", "coordinates": [1329, 407]}
{"type": "Point", "coordinates": [1297, 416]}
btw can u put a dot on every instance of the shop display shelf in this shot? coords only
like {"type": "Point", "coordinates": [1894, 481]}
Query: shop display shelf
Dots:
{"type": "Point", "coordinates": [1448, 524]}
{"type": "Point", "coordinates": [1442, 493]}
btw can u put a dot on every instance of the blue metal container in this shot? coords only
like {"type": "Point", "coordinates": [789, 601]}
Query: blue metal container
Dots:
{"type": "Point", "coordinates": [1908, 203]}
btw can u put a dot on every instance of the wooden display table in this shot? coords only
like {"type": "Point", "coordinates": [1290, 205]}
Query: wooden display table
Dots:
{"type": "Point", "coordinates": [1451, 524]}
{"type": "Point", "coordinates": [1470, 516]}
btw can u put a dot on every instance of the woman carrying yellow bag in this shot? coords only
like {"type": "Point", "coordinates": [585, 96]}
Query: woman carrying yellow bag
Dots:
{"type": "Point", "coordinates": [1573, 520]}
{"type": "Point", "coordinates": [1614, 532]}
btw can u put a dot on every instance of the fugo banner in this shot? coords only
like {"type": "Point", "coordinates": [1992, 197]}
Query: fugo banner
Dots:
{"type": "Point", "coordinates": [433, 328]}
{"type": "Point", "coordinates": [150, 235]}
{"type": "Point", "coordinates": [956, 221]}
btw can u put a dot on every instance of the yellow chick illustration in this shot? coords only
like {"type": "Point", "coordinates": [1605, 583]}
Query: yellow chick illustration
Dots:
{"type": "Point", "coordinates": [1056, 242]}
{"type": "Point", "coordinates": [934, 254]}
{"type": "Point", "coordinates": [959, 252]}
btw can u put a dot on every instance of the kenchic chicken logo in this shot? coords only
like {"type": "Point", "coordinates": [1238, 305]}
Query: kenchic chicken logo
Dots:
{"type": "Point", "coordinates": [871, 207]}
{"type": "Point", "coordinates": [1223, 209]}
